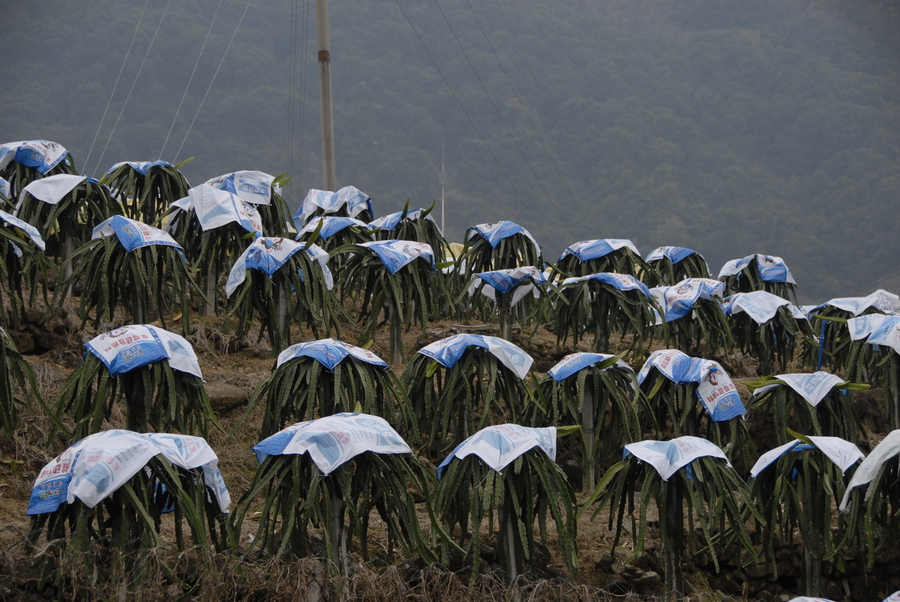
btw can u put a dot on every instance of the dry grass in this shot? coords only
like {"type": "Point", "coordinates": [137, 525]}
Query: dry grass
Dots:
{"type": "Point", "coordinates": [167, 573]}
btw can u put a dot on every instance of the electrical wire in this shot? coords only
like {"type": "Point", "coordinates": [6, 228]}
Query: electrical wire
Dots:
{"type": "Point", "coordinates": [292, 86]}
{"type": "Point", "coordinates": [304, 73]}
{"type": "Point", "coordinates": [76, 24]}
{"type": "Point", "coordinates": [183, 96]}
{"type": "Point", "coordinates": [528, 117]}
{"type": "Point", "coordinates": [472, 123]}
{"type": "Point", "coordinates": [203, 100]}
{"type": "Point", "coordinates": [521, 52]}
{"type": "Point", "coordinates": [540, 90]}
{"type": "Point", "coordinates": [116, 85]}
{"type": "Point", "coordinates": [297, 64]}
{"type": "Point", "coordinates": [502, 120]}
{"type": "Point", "coordinates": [124, 104]}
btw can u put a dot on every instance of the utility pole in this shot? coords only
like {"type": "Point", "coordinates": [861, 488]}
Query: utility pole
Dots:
{"type": "Point", "coordinates": [325, 95]}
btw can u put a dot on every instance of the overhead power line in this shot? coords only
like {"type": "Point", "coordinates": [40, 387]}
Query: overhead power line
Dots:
{"type": "Point", "coordinates": [116, 85]}
{"type": "Point", "coordinates": [521, 52]}
{"type": "Point", "coordinates": [503, 121]}
{"type": "Point", "coordinates": [213, 80]}
{"type": "Point", "coordinates": [304, 72]}
{"type": "Point", "coordinates": [292, 86]}
{"type": "Point", "coordinates": [540, 90]}
{"type": "Point", "coordinates": [299, 37]}
{"type": "Point", "coordinates": [197, 62]}
{"type": "Point", "coordinates": [130, 90]}
{"type": "Point", "coordinates": [471, 122]}
{"type": "Point", "coordinates": [528, 117]}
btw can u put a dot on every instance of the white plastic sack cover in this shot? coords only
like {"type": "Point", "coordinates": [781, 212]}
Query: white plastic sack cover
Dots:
{"type": "Point", "coordinates": [216, 208]}
{"type": "Point", "coordinates": [52, 189]}
{"type": "Point", "coordinates": [677, 301]}
{"type": "Point", "coordinates": [811, 387]}
{"type": "Point", "coordinates": [770, 268]}
{"type": "Point", "coordinates": [449, 351]}
{"type": "Point", "coordinates": [622, 282]}
{"type": "Point", "coordinates": [862, 326]}
{"type": "Point", "coordinates": [586, 250]}
{"type": "Point", "coordinates": [869, 468]}
{"type": "Point", "coordinates": [710, 287]}
{"type": "Point", "coordinates": [887, 333]}
{"type": "Point", "coordinates": [761, 306]}
{"type": "Point", "coordinates": [881, 300]}
{"type": "Point", "coordinates": [717, 392]}
{"type": "Point", "coordinates": [576, 362]}
{"type": "Point", "coordinates": [333, 440]}
{"type": "Point", "coordinates": [667, 457]}
{"type": "Point", "coordinates": [133, 234]}
{"type": "Point", "coordinates": [842, 453]}
{"type": "Point", "coordinates": [494, 232]}
{"type": "Point", "coordinates": [137, 345]}
{"type": "Point", "coordinates": [331, 225]}
{"type": "Point", "coordinates": [506, 280]}
{"type": "Point", "coordinates": [98, 465]}
{"type": "Point", "coordinates": [268, 255]}
{"type": "Point", "coordinates": [805, 310]}
{"type": "Point", "coordinates": [395, 254]}
{"type": "Point", "coordinates": [28, 229]}
{"type": "Point", "coordinates": [715, 389]}
{"type": "Point", "coordinates": [498, 446]}
{"type": "Point", "coordinates": [354, 199]}
{"type": "Point", "coordinates": [389, 222]}
{"type": "Point", "coordinates": [142, 167]}
{"type": "Point", "coordinates": [42, 155]}
{"type": "Point", "coordinates": [328, 352]}
{"type": "Point", "coordinates": [672, 363]}
{"type": "Point", "coordinates": [254, 187]}
{"type": "Point", "coordinates": [674, 254]}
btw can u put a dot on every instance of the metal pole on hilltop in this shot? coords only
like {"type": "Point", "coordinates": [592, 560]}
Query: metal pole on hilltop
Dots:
{"type": "Point", "coordinates": [325, 95]}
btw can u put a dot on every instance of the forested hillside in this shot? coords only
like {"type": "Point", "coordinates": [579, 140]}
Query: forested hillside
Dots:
{"type": "Point", "coordinates": [728, 126]}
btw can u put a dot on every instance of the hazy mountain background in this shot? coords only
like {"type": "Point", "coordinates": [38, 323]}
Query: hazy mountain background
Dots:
{"type": "Point", "coordinates": [727, 126]}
